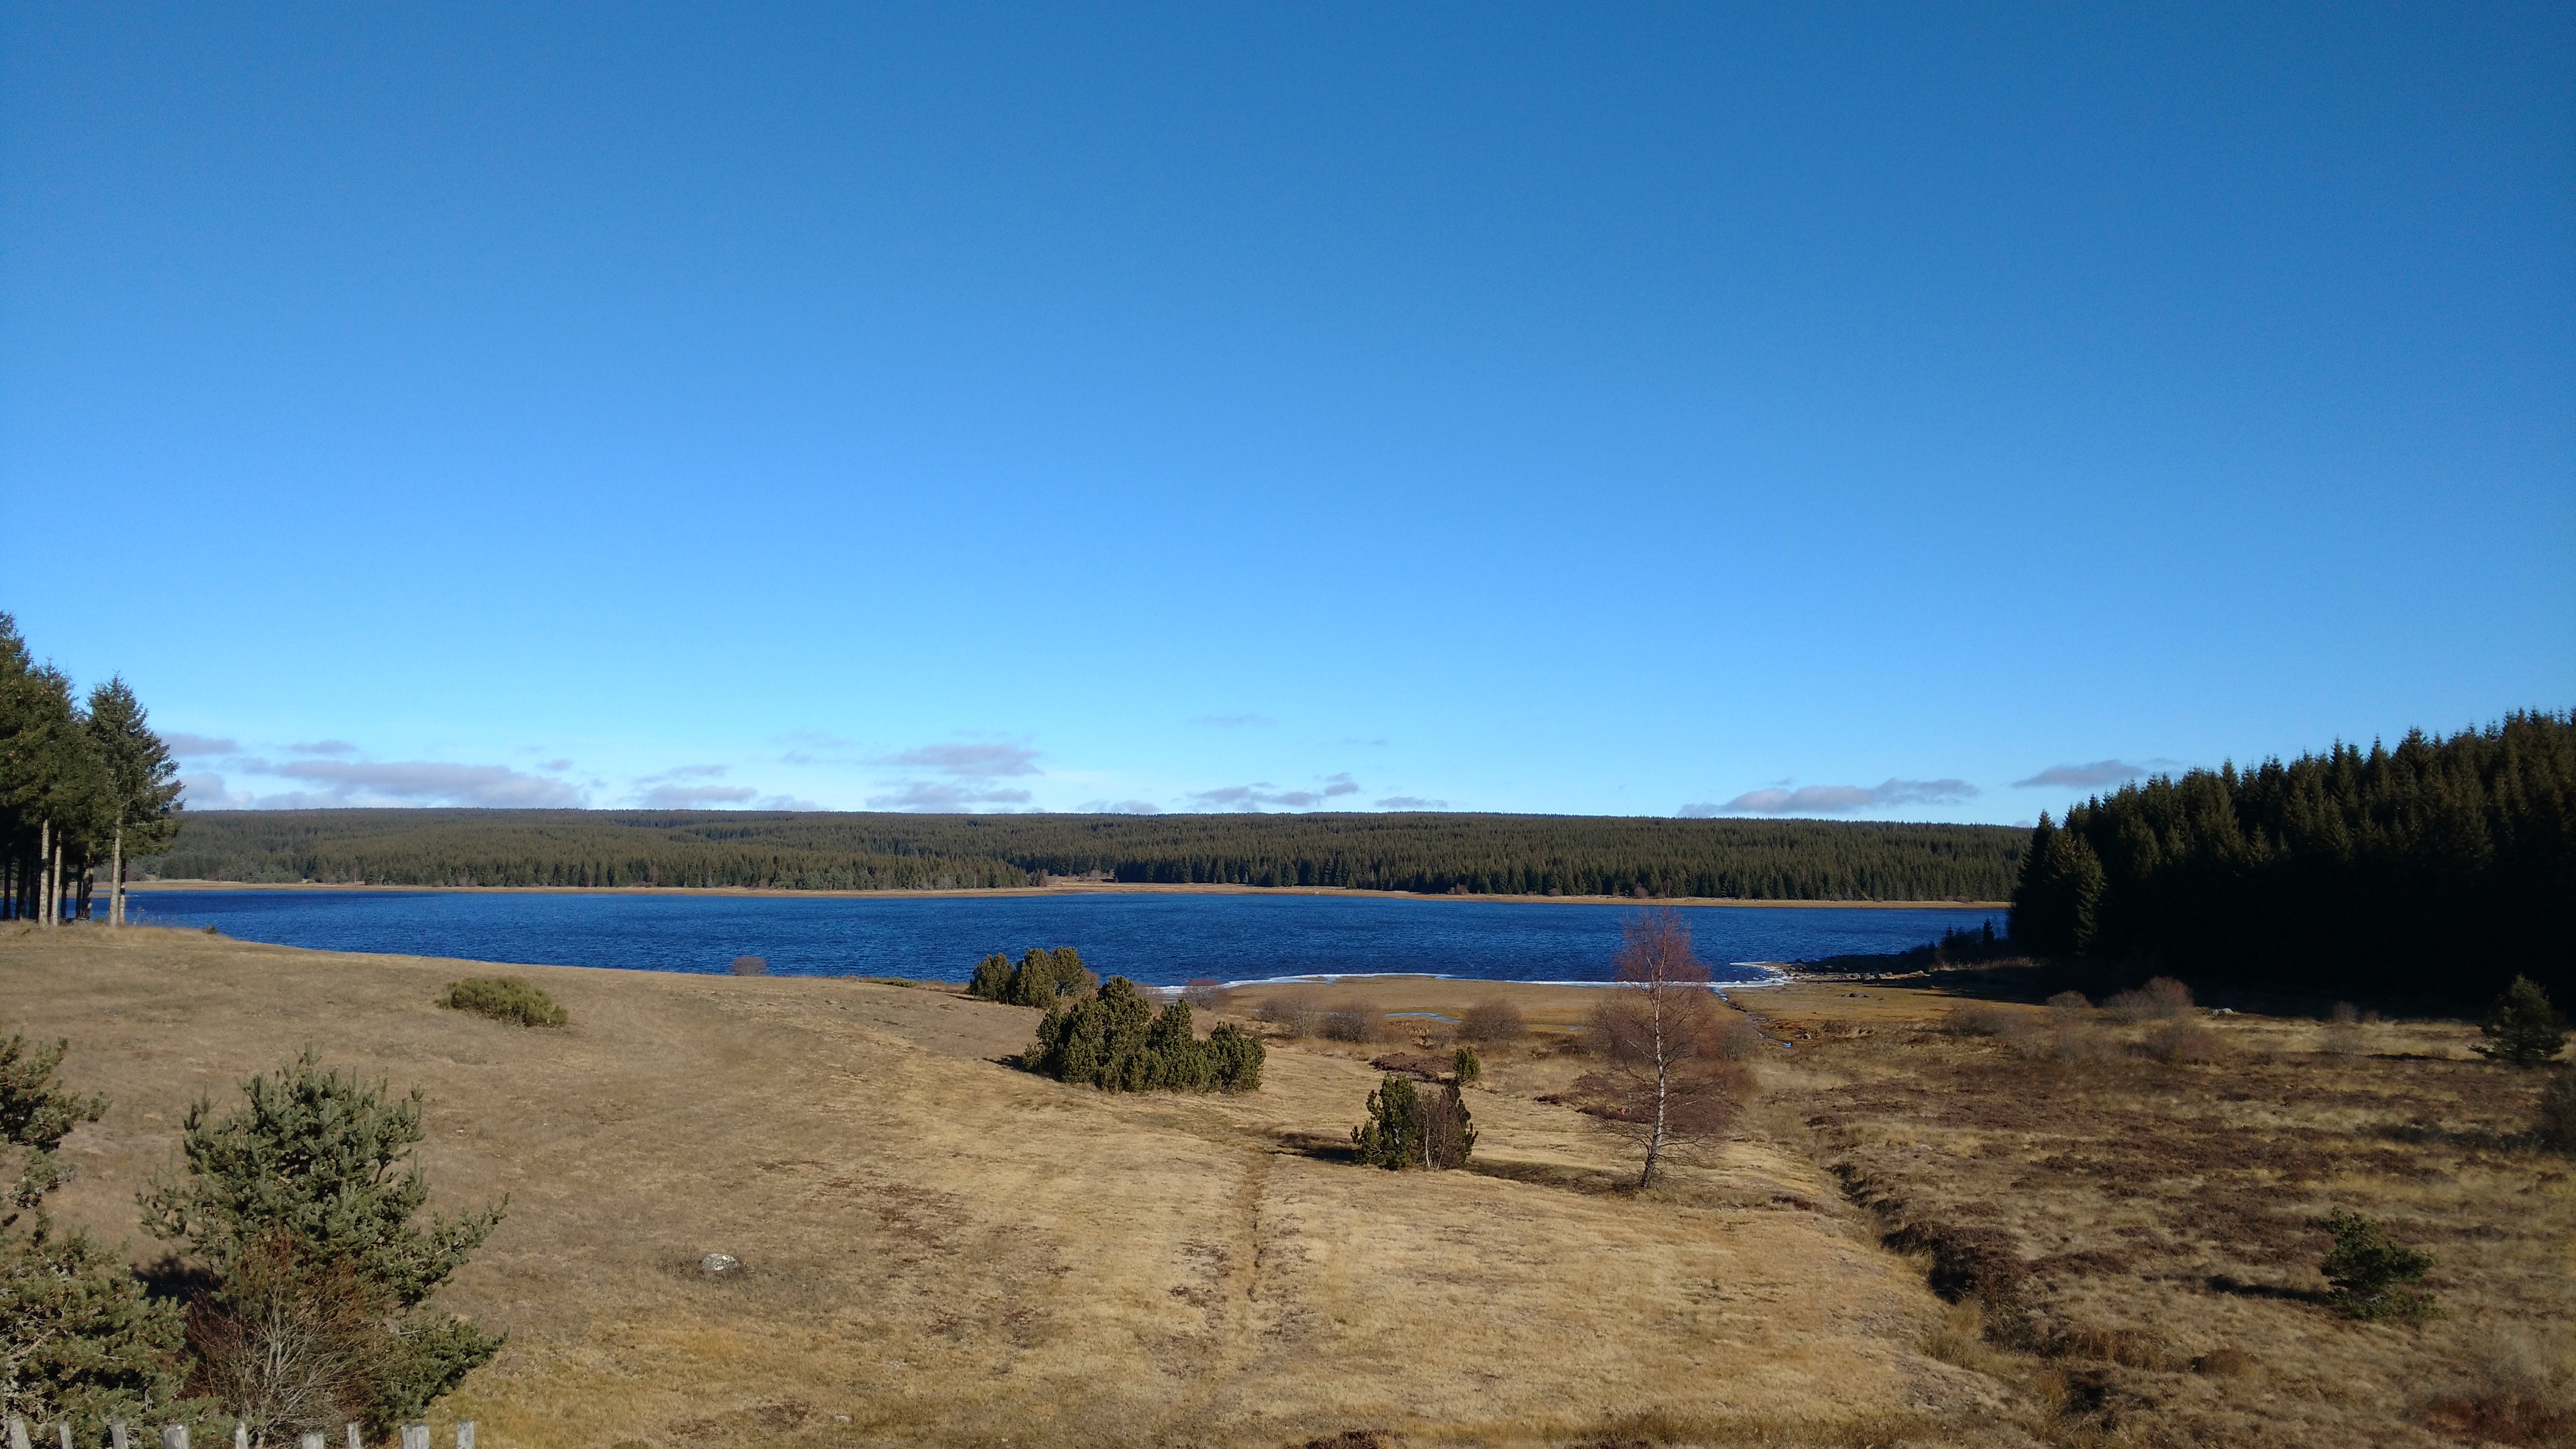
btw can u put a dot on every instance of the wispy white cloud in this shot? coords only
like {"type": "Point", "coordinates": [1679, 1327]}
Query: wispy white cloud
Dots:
{"type": "Point", "coordinates": [416, 782]}
{"type": "Point", "coordinates": [188, 746]}
{"type": "Point", "coordinates": [1836, 799]}
{"type": "Point", "coordinates": [942, 797]}
{"type": "Point", "coordinates": [970, 761]}
{"type": "Point", "coordinates": [324, 747]}
{"type": "Point", "coordinates": [693, 797]}
{"type": "Point", "coordinates": [1261, 794]}
{"type": "Point", "coordinates": [1120, 807]}
{"type": "Point", "coordinates": [2086, 777]}
{"type": "Point", "coordinates": [207, 792]}
{"type": "Point", "coordinates": [1411, 802]}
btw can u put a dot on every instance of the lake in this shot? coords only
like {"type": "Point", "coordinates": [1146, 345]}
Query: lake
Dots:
{"type": "Point", "coordinates": [1159, 940]}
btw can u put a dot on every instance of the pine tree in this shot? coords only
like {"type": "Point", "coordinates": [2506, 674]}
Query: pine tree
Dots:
{"type": "Point", "coordinates": [79, 1339]}
{"type": "Point", "coordinates": [1392, 1136]}
{"type": "Point", "coordinates": [2524, 1029]}
{"type": "Point", "coordinates": [319, 1166]}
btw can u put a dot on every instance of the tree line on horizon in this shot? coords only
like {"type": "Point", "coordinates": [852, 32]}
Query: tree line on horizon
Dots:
{"type": "Point", "coordinates": [2441, 866]}
{"type": "Point", "coordinates": [1418, 853]}
{"type": "Point", "coordinates": [84, 784]}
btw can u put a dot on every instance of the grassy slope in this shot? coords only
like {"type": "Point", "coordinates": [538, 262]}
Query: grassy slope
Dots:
{"type": "Point", "coordinates": [945, 1250]}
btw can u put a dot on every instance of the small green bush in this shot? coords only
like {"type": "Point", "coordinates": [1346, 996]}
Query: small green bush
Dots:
{"type": "Point", "coordinates": [1117, 1042]}
{"type": "Point", "coordinates": [2524, 1030]}
{"type": "Point", "coordinates": [2370, 1274]}
{"type": "Point", "coordinates": [504, 998]}
{"type": "Point", "coordinates": [1041, 979]}
{"type": "Point", "coordinates": [1464, 1066]}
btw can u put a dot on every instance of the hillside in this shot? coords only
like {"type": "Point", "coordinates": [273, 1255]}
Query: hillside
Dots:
{"type": "Point", "coordinates": [945, 1250]}
{"type": "Point", "coordinates": [1435, 853]}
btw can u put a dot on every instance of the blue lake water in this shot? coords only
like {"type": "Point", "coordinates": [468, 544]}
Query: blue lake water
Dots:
{"type": "Point", "coordinates": [1159, 940]}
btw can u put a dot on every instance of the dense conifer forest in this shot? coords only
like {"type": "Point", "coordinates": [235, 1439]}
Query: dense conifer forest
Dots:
{"type": "Point", "coordinates": [1428, 853]}
{"type": "Point", "coordinates": [2442, 866]}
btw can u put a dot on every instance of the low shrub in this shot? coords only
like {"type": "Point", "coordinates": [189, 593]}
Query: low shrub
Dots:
{"type": "Point", "coordinates": [2162, 999]}
{"type": "Point", "coordinates": [1294, 1011]}
{"type": "Point", "coordinates": [2371, 1275]}
{"type": "Point", "coordinates": [1041, 979]}
{"type": "Point", "coordinates": [1206, 993]}
{"type": "Point", "coordinates": [504, 998]}
{"type": "Point", "coordinates": [1491, 1022]}
{"type": "Point", "coordinates": [2555, 1128]}
{"type": "Point", "coordinates": [1982, 1018]}
{"type": "Point", "coordinates": [1351, 1020]}
{"type": "Point", "coordinates": [1465, 1067]}
{"type": "Point", "coordinates": [749, 966]}
{"type": "Point", "coordinates": [2178, 1042]}
{"type": "Point", "coordinates": [2342, 1034]}
{"type": "Point", "coordinates": [1116, 1041]}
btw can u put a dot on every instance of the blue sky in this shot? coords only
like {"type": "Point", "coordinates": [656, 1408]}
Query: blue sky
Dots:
{"type": "Point", "coordinates": [1888, 413]}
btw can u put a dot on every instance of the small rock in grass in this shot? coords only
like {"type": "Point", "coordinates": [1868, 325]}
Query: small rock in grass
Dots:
{"type": "Point", "coordinates": [720, 1265]}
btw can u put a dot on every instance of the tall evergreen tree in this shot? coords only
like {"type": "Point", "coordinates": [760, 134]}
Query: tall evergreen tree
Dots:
{"type": "Point", "coordinates": [141, 782]}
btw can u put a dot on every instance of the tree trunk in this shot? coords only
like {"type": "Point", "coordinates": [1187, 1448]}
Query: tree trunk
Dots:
{"type": "Point", "coordinates": [83, 881]}
{"type": "Point", "coordinates": [116, 878]}
{"type": "Point", "coordinates": [45, 856]}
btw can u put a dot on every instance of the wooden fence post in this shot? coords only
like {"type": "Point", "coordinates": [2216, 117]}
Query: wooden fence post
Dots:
{"type": "Point", "coordinates": [18, 1433]}
{"type": "Point", "coordinates": [174, 1436]}
{"type": "Point", "coordinates": [354, 1441]}
{"type": "Point", "coordinates": [414, 1436]}
{"type": "Point", "coordinates": [465, 1434]}
{"type": "Point", "coordinates": [116, 1435]}
{"type": "Point", "coordinates": [241, 1435]}
{"type": "Point", "coordinates": [311, 1439]}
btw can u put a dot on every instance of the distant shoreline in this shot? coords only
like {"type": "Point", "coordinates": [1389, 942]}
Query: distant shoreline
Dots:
{"type": "Point", "coordinates": [1084, 888]}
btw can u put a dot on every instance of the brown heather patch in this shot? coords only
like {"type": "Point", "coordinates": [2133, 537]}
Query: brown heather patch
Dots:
{"type": "Point", "coordinates": [2159, 1283]}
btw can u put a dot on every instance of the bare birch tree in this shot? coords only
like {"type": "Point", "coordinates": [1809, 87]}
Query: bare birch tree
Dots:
{"type": "Point", "coordinates": [1670, 1071]}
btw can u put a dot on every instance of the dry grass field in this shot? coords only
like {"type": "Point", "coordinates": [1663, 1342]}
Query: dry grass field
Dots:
{"type": "Point", "coordinates": [942, 1249]}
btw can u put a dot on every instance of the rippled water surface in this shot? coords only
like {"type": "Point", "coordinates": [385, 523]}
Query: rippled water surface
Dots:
{"type": "Point", "coordinates": [1159, 939]}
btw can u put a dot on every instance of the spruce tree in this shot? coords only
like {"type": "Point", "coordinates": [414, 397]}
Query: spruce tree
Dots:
{"type": "Point", "coordinates": [141, 788]}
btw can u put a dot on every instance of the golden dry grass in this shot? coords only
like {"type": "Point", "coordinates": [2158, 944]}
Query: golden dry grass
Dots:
{"type": "Point", "coordinates": [942, 1249]}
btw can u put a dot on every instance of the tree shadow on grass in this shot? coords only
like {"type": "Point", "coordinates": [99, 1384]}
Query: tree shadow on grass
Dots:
{"type": "Point", "coordinates": [2239, 1288]}
{"type": "Point", "coordinates": [1551, 1174]}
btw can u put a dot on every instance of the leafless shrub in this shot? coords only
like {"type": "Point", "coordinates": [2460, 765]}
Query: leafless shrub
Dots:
{"type": "Point", "coordinates": [750, 966]}
{"type": "Point", "coordinates": [2342, 1035]}
{"type": "Point", "coordinates": [2519, 1391]}
{"type": "Point", "coordinates": [1982, 1018]}
{"type": "Point", "coordinates": [289, 1346]}
{"type": "Point", "coordinates": [1491, 1022]}
{"type": "Point", "coordinates": [1206, 993]}
{"type": "Point", "coordinates": [1737, 1038]}
{"type": "Point", "coordinates": [2555, 1128]}
{"type": "Point", "coordinates": [2068, 1003]}
{"type": "Point", "coordinates": [1293, 1011]}
{"type": "Point", "coordinates": [2177, 1042]}
{"type": "Point", "coordinates": [2162, 999]}
{"type": "Point", "coordinates": [1351, 1020]}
